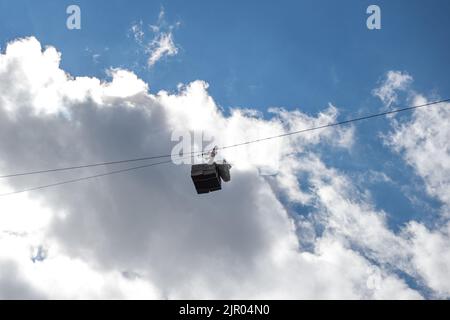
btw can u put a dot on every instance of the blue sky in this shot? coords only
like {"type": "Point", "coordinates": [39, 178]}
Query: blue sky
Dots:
{"type": "Point", "coordinates": [261, 54]}
{"type": "Point", "coordinates": [291, 54]}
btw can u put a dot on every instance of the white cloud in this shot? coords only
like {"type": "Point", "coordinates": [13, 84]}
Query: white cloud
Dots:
{"type": "Point", "coordinates": [148, 233]}
{"type": "Point", "coordinates": [424, 143]}
{"type": "Point", "coordinates": [429, 154]}
{"type": "Point", "coordinates": [431, 255]}
{"type": "Point", "coordinates": [394, 81]}
{"type": "Point", "coordinates": [138, 32]}
{"type": "Point", "coordinates": [162, 45]}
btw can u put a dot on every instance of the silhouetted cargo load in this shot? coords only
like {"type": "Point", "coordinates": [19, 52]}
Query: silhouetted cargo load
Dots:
{"type": "Point", "coordinates": [224, 171]}
{"type": "Point", "coordinates": [208, 177]}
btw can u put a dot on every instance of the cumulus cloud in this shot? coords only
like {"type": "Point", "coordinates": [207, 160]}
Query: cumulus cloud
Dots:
{"type": "Point", "coordinates": [13, 285]}
{"type": "Point", "coordinates": [148, 234]}
{"type": "Point", "coordinates": [424, 143]}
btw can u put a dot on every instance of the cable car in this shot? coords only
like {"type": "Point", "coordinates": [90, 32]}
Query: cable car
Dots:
{"type": "Point", "coordinates": [208, 177]}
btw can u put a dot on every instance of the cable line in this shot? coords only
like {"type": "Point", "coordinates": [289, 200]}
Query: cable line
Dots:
{"type": "Point", "coordinates": [337, 123]}
{"type": "Point", "coordinates": [90, 177]}
{"type": "Point", "coordinates": [198, 152]}
{"type": "Point", "coordinates": [83, 166]}
{"type": "Point", "coordinates": [84, 178]}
